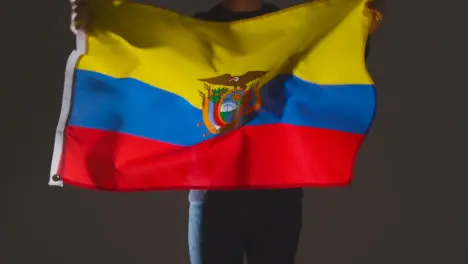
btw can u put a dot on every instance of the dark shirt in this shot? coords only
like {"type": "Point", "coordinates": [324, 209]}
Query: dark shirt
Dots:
{"type": "Point", "coordinates": [220, 14]}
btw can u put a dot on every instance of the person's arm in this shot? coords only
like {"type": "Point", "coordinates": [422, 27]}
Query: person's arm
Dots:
{"type": "Point", "coordinates": [376, 20]}
{"type": "Point", "coordinates": [80, 14]}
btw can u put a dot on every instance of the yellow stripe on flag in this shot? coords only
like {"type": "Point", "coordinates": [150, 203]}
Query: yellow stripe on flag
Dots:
{"type": "Point", "coordinates": [173, 52]}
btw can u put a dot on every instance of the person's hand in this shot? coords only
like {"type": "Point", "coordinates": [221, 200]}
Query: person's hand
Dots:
{"type": "Point", "coordinates": [377, 16]}
{"type": "Point", "coordinates": [79, 15]}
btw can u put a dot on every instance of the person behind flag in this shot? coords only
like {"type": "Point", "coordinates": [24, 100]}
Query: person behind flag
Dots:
{"type": "Point", "coordinates": [264, 225]}
{"type": "Point", "coordinates": [224, 225]}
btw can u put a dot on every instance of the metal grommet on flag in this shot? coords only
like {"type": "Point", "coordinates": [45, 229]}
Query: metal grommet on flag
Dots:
{"type": "Point", "coordinates": [56, 178]}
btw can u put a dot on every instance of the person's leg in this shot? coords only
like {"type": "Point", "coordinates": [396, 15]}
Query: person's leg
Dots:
{"type": "Point", "coordinates": [194, 236]}
{"type": "Point", "coordinates": [274, 227]}
{"type": "Point", "coordinates": [196, 199]}
{"type": "Point", "coordinates": [216, 229]}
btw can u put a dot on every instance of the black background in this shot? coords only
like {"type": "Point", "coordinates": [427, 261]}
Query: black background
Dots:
{"type": "Point", "coordinates": [408, 203]}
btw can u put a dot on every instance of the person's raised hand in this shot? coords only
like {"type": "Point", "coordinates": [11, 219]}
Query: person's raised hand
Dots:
{"type": "Point", "coordinates": [79, 15]}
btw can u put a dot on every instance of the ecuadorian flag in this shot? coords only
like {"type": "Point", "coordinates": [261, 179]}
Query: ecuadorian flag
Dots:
{"type": "Point", "coordinates": [156, 100]}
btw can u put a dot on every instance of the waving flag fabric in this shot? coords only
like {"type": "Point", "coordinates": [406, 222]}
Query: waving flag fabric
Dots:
{"type": "Point", "coordinates": [156, 100]}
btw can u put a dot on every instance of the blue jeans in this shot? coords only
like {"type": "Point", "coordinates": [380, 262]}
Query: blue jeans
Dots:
{"type": "Point", "coordinates": [262, 224]}
{"type": "Point", "coordinates": [194, 231]}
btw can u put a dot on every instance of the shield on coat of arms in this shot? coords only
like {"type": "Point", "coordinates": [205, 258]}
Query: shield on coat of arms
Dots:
{"type": "Point", "coordinates": [228, 99]}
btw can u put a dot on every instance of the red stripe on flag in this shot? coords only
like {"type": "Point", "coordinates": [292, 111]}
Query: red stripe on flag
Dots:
{"type": "Point", "coordinates": [267, 156]}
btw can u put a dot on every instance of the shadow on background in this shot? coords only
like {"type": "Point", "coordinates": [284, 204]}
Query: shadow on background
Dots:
{"type": "Point", "coordinates": [407, 204]}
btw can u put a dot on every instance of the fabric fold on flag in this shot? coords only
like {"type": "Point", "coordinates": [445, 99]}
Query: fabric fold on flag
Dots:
{"type": "Point", "coordinates": [155, 100]}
